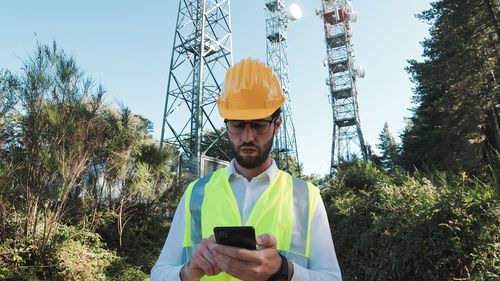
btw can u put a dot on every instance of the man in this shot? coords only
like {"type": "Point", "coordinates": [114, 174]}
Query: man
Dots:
{"type": "Point", "coordinates": [287, 213]}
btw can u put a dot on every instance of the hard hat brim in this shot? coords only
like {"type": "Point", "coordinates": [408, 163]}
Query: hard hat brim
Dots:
{"type": "Point", "coordinates": [249, 114]}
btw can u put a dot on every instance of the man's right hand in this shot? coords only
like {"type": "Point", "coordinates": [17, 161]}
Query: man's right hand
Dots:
{"type": "Point", "coordinates": [201, 263]}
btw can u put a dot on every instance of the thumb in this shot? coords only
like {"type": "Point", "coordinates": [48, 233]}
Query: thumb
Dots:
{"type": "Point", "coordinates": [266, 240]}
{"type": "Point", "coordinates": [212, 238]}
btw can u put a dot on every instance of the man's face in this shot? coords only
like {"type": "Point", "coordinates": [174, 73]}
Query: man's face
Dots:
{"type": "Point", "coordinates": [251, 147]}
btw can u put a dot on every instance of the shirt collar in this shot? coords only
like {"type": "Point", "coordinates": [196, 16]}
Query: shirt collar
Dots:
{"type": "Point", "coordinates": [271, 171]}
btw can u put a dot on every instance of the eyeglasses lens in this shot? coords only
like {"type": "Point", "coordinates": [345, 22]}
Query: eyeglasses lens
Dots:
{"type": "Point", "coordinates": [258, 127]}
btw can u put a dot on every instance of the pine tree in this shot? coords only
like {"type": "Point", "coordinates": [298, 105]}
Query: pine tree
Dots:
{"type": "Point", "coordinates": [455, 123]}
{"type": "Point", "coordinates": [388, 147]}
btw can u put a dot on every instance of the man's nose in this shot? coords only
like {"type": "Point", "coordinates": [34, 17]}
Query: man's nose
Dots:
{"type": "Point", "coordinates": [247, 135]}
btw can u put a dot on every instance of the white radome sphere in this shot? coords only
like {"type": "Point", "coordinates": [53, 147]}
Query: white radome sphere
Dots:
{"type": "Point", "coordinates": [294, 12]}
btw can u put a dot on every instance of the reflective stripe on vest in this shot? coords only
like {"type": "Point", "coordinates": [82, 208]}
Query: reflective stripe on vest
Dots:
{"type": "Point", "coordinates": [300, 227]}
{"type": "Point", "coordinates": [197, 194]}
{"type": "Point", "coordinates": [300, 216]}
{"type": "Point", "coordinates": [195, 208]}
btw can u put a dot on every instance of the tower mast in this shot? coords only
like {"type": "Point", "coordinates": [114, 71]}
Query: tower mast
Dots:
{"type": "Point", "coordinates": [347, 139]}
{"type": "Point", "coordinates": [201, 54]}
{"type": "Point", "coordinates": [285, 145]}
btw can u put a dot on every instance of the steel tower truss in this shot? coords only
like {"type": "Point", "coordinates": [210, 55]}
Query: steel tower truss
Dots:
{"type": "Point", "coordinates": [200, 58]}
{"type": "Point", "coordinates": [285, 145]}
{"type": "Point", "coordinates": [347, 140]}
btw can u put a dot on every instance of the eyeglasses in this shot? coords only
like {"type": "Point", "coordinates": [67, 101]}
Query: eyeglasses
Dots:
{"type": "Point", "coordinates": [258, 126]}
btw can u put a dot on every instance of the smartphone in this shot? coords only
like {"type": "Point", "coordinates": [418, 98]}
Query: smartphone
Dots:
{"type": "Point", "coordinates": [236, 236]}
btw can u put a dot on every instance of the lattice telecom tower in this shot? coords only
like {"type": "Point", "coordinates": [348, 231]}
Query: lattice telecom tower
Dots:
{"type": "Point", "coordinates": [285, 145]}
{"type": "Point", "coordinates": [200, 58]}
{"type": "Point", "coordinates": [347, 140]}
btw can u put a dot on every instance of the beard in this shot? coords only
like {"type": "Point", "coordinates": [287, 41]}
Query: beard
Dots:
{"type": "Point", "coordinates": [251, 162]}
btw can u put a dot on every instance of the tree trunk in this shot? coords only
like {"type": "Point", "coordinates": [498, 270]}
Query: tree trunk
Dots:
{"type": "Point", "coordinates": [496, 128]}
{"type": "Point", "coordinates": [120, 219]}
{"type": "Point", "coordinates": [493, 18]}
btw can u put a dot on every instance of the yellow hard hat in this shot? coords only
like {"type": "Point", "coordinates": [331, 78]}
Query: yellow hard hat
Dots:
{"type": "Point", "coordinates": [251, 91]}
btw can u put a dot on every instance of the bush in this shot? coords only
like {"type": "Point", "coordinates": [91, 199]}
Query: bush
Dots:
{"type": "Point", "coordinates": [80, 255]}
{"type": "Point", "coordinates": [361, 175]}
{"type": "Point", "coordinates": [144, 238]}
{"type": "Point", "coordinates": [434, 227]}
{"type": "Point", "coordinates": [125, 272]}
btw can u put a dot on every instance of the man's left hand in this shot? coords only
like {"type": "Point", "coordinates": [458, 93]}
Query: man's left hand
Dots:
{"type": "Point", "coordinates": [249, 265]}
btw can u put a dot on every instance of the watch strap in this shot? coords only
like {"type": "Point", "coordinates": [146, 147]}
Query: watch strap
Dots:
{"type": "Point", "coordinates": [282, 274]}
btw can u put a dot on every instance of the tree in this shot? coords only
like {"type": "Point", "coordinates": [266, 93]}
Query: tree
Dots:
{"type": "Point", "coordinates": [216, 144]}
{"type": "Point", "coordinates": [62, 151]}
{"type": "Point", "coordinates": [455, 125]}
{"type": "Point", "coordinates": [8, 99]}
{"type": "Point", "coordinates": [54, 138]}
{"type": "Point", "coordinates": [135, 166]}
{"type": "Point", "coordinates": [287, 163]}
{"type": "Point", "coordinates": [389, 148]}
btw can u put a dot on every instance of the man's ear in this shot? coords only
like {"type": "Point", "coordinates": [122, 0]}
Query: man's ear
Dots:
{"type": "Point", "coordinates": [278, 122]}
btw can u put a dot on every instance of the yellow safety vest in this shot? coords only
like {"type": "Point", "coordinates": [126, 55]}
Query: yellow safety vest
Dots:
{"type": "Point", "coordinates": [284, 209]}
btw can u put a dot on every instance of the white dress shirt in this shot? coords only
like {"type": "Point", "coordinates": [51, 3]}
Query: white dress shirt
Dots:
{"type": "Point", "coordinates": [323, 263]}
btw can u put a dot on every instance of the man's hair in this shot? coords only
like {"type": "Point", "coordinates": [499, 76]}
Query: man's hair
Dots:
{"type": "Point", "coordinates": [276, 113]}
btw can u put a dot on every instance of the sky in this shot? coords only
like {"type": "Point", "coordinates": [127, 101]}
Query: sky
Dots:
{"type": "Point", "coordinates": [126, 46]}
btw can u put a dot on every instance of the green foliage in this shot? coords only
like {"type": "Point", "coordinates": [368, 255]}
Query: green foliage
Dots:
{"type": "Point", "coordinates": [389, 149]}
{"type": "Point", "coordinates": [455, 124]}
{"type": "Point", "coordinates": [128, 273]}
{"type": "Point", "coordinates": [8, 99]}
{"type": "Point", "coordinates": [15, 253]}
{"type": "Point", "coordinates": [144, 239]}
{"type": "Point", "coordinates": [420, 227]}
{"type": "Point", "coordinates": [316, 179]}
{"type": "Point", "coordinates": [216, 144]}
{"type": "Point", "coordinates": [79, 255]}
{"type": "Point", "coordinates": [361, 175]}
{"type": "Point", "coordinates": [287, 163]}
{"type": "Point", "coordinates": [71, 165]}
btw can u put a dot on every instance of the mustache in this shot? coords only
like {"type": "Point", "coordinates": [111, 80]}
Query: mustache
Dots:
{"type": "Point", "coordinates": [247, 144]}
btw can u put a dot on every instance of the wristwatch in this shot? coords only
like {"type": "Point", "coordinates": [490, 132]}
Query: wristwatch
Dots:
{"type": "Point", "coordinates": [282, 274]}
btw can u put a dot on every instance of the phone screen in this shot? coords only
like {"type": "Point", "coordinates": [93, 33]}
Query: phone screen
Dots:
{"type": "Point", "coordinates": [236, 236]}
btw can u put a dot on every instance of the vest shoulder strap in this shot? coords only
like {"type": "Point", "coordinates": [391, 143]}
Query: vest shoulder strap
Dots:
{"type": "Point", "coordinates": [195, 202]}
{"type": "Point", "coordinates": [298, 242]}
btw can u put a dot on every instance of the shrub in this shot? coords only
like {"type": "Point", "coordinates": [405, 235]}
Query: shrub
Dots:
{"type": "Point", "coordinates": [125, 272]}
{"type": "Point", "coordinates": [80, 255]}
{"type": "Point", "coordinates": [434, 227]}
{"type": "Point", "coordinates": [144, 238]}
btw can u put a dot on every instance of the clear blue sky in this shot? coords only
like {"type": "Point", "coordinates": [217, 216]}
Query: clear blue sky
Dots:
{"type": "Point", "coordinates": [126, 45]}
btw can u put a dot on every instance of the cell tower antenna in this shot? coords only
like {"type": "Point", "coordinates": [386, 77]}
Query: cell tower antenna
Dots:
{"type": "Point", "coordinates": [347, 140]}
{"type": "Point", "coordinates": [277, 17]}
{"type": "Point", "coordinates": [201, 54]}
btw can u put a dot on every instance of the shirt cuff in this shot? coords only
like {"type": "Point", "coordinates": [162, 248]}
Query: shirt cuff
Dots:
{"type": "Point", "coordinates": [178, 270]}
{"type": "Point", "coordinates": [299, 273]}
